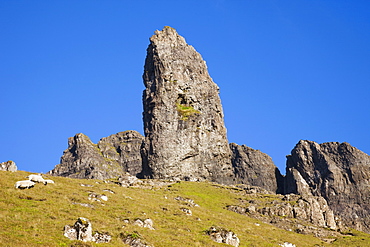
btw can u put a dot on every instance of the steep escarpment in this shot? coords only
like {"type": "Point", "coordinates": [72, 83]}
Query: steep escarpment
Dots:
{"type": "Point", "coordinates": [113, 156]}
{"type": "Point", "coordinates": [336, 171]}
{"type": "Point", "coordinates": [255, 168]}
{"type": "Point", "coordinates": [185, 136]}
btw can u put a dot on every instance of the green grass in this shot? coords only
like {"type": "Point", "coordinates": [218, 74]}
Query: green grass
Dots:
{"type": "Point", "coordinates": [37, 216]}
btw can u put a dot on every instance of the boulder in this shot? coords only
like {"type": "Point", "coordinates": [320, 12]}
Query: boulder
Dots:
{"type": "Point", "coordinates": [221, 235]}
{"type": "Point", "coordinates": [81, 230]}
{"type": "Point", "coordinates": [8, 166]}
{"type": "Point", "coordinates": [185, 135]}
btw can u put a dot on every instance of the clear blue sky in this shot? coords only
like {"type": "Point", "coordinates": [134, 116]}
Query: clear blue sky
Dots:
{"type": "Point", "coordinates": [287, 70]}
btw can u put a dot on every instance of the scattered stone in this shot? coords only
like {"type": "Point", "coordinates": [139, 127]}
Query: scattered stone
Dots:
{"type": "Point", "coordinates": [221, 235]}
{"type": "Point", "coordinates": [110, 191]}
{"type": "Point", "coordinates": [189, 201]}
{"type": "Point", "coordinates": [305, 214]}
{"type": "Point", "coordinates": [87, 185]}
{"type": "Point", "coordinates": [83, 204]}
{"type": "Point", "coordinates": [97, 197]}
{"type": "Point", "coordinates": [8, 166]}
{"type": "Point", "coordinates": [147, 223]}
{"type": "Point", "coordinates": [127, 180]}
{"type": "Point", "coordinates": [102, 237]}
{"type": "Point", "coordinates": [286, 244]}
{"type": "Point", "coordinates": [134, 240]}
{"type": "Point", "coordinates": [187, 211]}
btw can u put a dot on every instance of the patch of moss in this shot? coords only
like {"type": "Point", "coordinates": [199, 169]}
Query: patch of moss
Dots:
{"type": "Point", "coordinates": [186, 111]}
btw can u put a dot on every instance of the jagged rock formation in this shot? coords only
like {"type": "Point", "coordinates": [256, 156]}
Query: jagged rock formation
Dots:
{"type": "Point", "coordinates": [112, 157]}
{"type": "Point", "coordinates": [125, 148]}
{"type": "Point", "coordinates": [336, 171]}
{"type": "Point", "coordinates": [303, 214]}
{"type": "Point", "coordinates": [255, 168]}
{"type": "Point", "coordinates": [8, 166]}
{"type": "Point", "coordinates": [185, 136]}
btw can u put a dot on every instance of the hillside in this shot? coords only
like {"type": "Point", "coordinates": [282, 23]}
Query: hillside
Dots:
{"type": "Point", "coordinates": [37, 216]}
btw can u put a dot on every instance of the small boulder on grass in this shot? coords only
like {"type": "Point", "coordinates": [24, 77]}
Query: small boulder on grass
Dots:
{"type": "Point", "coordinates": [82, 230]}
{"type": "Point", "coordinates": [221, 235]}
{"type": "Point", "coordinates": [134, 240]}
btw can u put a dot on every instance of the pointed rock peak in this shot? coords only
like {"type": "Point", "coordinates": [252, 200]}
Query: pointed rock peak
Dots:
{"type": "Point", "coordinates": [183, 117]}
{"type": "Point", "coordinates": [168, 35]}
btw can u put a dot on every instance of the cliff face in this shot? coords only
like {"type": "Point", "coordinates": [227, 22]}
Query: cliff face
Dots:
{"type": "Point", "coordinates": [185, 136]}
{"type": "Point", "coordinates": [255, 168]}
{"type": "Point", "coordinates": [124, 147]}
{"type": "Point", "coordinates": [336, 171]}
{"type": "Point", "coordinates": [113, 156]}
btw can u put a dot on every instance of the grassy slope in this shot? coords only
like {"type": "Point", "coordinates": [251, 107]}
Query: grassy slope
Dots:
{"type": "Point", "coordinates": [27, 219]}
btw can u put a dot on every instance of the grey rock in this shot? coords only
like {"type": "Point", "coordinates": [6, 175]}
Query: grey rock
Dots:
{"type": "Point", "coordinates": [252, 167]}
{"type": "Point", "coordinates": [125, 148]}
{"type": "Point", "coordinates": [127, 180]}
{"type": "Point", "coordinates": [81, 230]}
{"type": "Point", "coordinates": [8, 166]}
{"type": "Point", "coordinates": [221, 235]}
{"type": "Point", "coordinates": [336, 171]}
{"type": "Point", "coordinates": [100, 237]}
{"type": "Point", "coordinates": [134, 240]}
{"type": "Point", "coordinates": [185, 136]}
{"type": "Point", "coordinates": [306, 214]}
{"type": "Point", "coordinates": [111, 157]}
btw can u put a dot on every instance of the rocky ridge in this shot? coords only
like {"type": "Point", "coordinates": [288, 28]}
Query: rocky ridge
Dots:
{"type": "Point", "coordinates": [112, 157]}
{"type": "Point", "coordinates": [336, 171]}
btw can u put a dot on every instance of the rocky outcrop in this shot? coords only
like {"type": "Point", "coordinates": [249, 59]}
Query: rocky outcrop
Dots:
{"type": "Point", "coordinates": [124, 147]}
{"type": "Point", "coordinates": [336, 171]}
{"type": "Point", "coordinates": [112, 157]}
{"type": "Point", "coordinates": [185, 136]}
{"type": "Point", "coordinates": [302, 214]}
{"type": "Point", "coordinates": [82, 230]}
{"type": "Point", "coordinates": [255, 168]}
{"type": "Point", "coordinates": [8, 166]}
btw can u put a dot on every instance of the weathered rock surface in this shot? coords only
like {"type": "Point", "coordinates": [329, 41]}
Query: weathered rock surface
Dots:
{"type": "Point", "coordinates": [336, 171]}
{"type": "Point", "coordinates": [185, 136]}
{"type": "Point", "coordinates": [82, 230]}
{"type": "Point", "coordinates": [221, 235]}
{"type": "Point", "coordinates": [303, 214]}
{"type": "Point", "coordinates": [134, 240]}
{"type": "Point", "coordinates": [113, 156]}
{"type": "Point", "coordinates": [8, 166]}
{"type": "Point", "coordinates": [255, 168]}
{"type": "Point", "coordinates": [124, 147]}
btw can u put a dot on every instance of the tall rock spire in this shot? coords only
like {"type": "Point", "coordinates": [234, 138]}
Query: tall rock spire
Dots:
{"type": "Point", "coordinates": [185, 136]}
